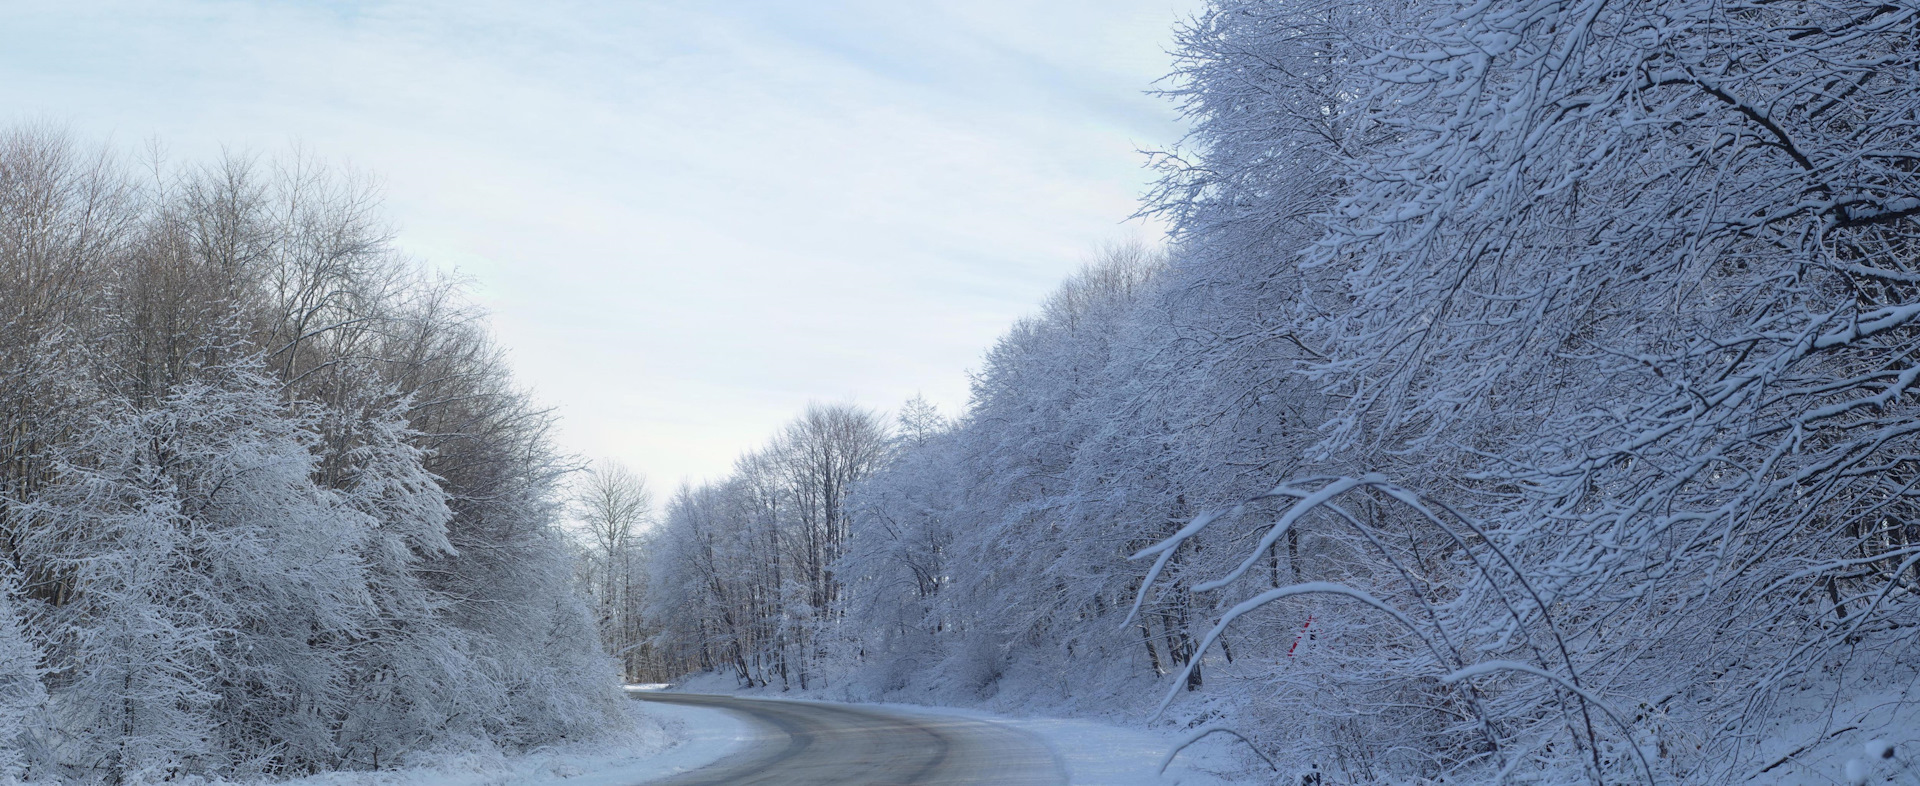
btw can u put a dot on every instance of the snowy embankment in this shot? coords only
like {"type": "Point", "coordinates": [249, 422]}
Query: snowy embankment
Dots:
{"type": "Point", "coordinates": [1823, 735]}
{"type": "Point", "coordinates": [1093, 753]}
{"type": "Point", "coordinates": [664, 740]}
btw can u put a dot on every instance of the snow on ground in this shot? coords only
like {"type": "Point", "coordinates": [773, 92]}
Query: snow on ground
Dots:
{"type": "Point", "coordinates": [703, 736]}
{"type": "Point", "coordinates": [666, 739]}
{"type": "Point", "coordinates": [1823, 736]}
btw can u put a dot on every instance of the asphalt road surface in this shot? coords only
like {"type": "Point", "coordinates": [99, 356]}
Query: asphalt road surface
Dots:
{"type": "Point", "coordinates": [805, 744]}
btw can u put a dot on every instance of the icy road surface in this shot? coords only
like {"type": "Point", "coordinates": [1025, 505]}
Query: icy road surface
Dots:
{"type": "Point", "coordinates": [804, 744]}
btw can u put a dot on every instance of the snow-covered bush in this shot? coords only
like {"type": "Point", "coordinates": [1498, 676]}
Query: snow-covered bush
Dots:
{"type": "Point", "coordinates": [213, 588]}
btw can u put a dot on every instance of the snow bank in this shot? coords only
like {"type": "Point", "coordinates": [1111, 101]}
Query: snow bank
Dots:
{"type": "Point", "coordinates": [1824, 735]}
{"type": "Point", "coordinates": [665, 739]}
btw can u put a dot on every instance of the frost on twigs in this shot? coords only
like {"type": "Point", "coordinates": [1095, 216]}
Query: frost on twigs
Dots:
{"type": "Point", "coordinates": [1632, 289]}
{"type": "Point", "coordinates": [22, 696]}
{"type": "Point", "coordinates": [1496, 610]}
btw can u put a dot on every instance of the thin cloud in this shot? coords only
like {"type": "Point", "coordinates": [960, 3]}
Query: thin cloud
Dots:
{"type": "Point", "coordinates": [689, 218]}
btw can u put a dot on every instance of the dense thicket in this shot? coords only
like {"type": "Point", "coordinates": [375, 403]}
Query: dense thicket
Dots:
{"type": "Point", "coordinates": [269, 501]}
{"type": "Point", "coordinates": [1527, 394]}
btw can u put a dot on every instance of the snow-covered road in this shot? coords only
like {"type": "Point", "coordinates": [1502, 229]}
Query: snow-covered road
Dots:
{"type": "Point", "coordinates": [805, 743]}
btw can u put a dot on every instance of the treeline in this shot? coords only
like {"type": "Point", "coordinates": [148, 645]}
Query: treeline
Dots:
{"type": "Point", "coordinates": [1527, 392]}
{"type": "Point", "coordinates": [742, 573]}
{"type": "Point", "coordinates": [612, 511]}
{"type": "Point", "coordinates": [959, 559]}
{"type": "Point", "coordinates": [270, 501]}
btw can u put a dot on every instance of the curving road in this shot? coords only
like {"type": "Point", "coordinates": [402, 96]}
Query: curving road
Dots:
{"type": "Point", "coordinates": [807, 744]}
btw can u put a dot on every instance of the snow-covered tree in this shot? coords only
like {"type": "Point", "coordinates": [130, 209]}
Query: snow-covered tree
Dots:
{"type": "Point", "coordinates": [612, 506]}
{"type": "Point", "coordinates": [22, 695]}
{"type": "Point", "coordinates": [208, 588]}
{"type": "Point", "coordinates": [1623, 290]}
{"type": "Point", "coordinates": [269, 501]}
{"type": "Point", "coordinates": [745, 572]}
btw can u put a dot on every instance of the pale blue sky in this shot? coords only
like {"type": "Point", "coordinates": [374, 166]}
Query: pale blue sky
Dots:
{"type": "Point", "coordinates": [689, 218]}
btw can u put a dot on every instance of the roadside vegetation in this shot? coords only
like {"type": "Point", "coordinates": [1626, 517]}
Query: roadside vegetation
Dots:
{"type": "Point", "coordinates": [270, 502]}
{"type": "Point", "coordinates": [1525, 392]}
